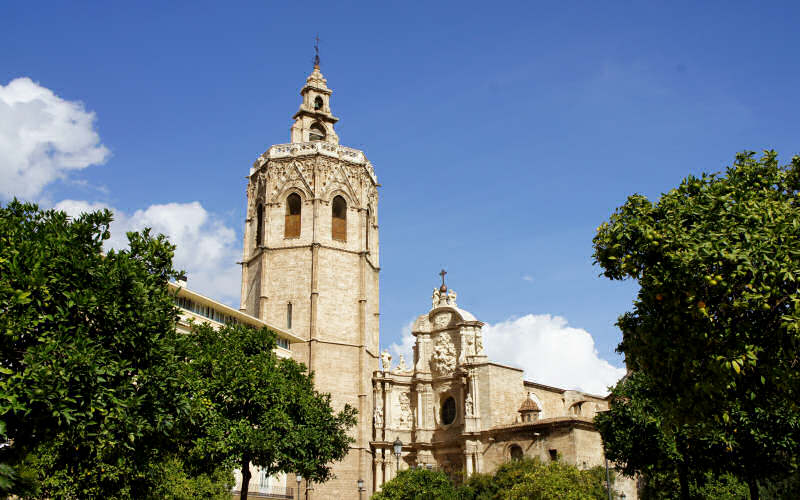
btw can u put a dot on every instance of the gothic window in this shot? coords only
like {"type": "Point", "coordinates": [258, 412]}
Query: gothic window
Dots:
{"type": "Point", "coordinates": [318, 103]}
{"type": "Point", "coordinates": [317, 132]}
{"type": "Point", "coordinates": [339, 219]}
{"type": "Point", "coordinates": [516, 452]}
{"type": "Point", "coordinates": [289, 316]}
{"type": "Point", "coordinates": [259, 225]}
{"type": "Point", "coordinates": [448, 411]}
{"type": "Point", "coordinates": [291, 225]}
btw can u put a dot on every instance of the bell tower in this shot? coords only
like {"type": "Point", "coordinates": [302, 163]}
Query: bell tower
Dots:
{"type": "Point", "coordinates": [310, 264]}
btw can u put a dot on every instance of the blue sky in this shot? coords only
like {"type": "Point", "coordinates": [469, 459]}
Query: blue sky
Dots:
{"type": "Point", "coordinates": [503, 133]}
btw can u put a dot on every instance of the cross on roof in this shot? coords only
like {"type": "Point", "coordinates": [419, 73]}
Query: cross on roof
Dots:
{"type": "Point", "coordinates": [442, 274]}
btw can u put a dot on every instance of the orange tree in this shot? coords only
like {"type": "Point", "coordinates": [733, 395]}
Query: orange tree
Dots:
{"type": "Point", "coordinates": [89, 393]}
{"type": "Point", "coordinates": [716, 319]}
{"type": "Point", "coordinates": [252, 407]}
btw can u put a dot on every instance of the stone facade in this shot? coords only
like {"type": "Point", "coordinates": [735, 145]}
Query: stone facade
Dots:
{"type": "Point", "coordinates": [321, 282]}
{"type": "Point", "coordinates": [457, 411]}
{"type": "Point", "coordinates": [311, 265]}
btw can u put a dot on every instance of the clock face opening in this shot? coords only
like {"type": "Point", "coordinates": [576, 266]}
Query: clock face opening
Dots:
{"type": "Point", "coordinates": [448, 411]}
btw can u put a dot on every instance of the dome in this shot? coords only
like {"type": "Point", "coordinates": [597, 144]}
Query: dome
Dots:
{"type": "Point", "coordinates": [529, 405]}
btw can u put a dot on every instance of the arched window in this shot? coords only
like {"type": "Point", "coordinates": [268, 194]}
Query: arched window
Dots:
{"type": "Point", "coordinates": [339, 219]}
{"type": "Point", "coordinates": [516, 452]}
{"type": "Point", "coordinates": [259, 225]}
{"type": "Point", "coordinates": [318, 103]}
{"type": "Point", "coordinates": [291, 225]}
{"type": "Point", "coordinates": [317, 132]}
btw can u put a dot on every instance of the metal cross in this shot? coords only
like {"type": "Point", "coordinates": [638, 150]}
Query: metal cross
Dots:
{"type": "Point", "coordinates": [442, 275]}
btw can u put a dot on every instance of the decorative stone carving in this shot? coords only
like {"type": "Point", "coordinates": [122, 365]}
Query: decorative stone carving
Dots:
{"type": "Point", "coordinates": [469, 408]}
{"type": "Point", "coordinates": [435, 298]}
{"type": "Point", "coordinates": [405, 410]}
{"type": "Point", "coordinates": [378, 417]}
{"type": "Point", "coordinates": [478, 342]}
{"type": "Point", "coordinates": [386, 360]}
{"type": "Point", "coordinates": [442, 319]}
{"type": "Point", "coordinates": [401, 364]}
{"type": "Point", "coordinates": [443, 360]}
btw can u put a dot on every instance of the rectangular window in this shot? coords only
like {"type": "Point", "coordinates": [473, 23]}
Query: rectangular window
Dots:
{"type": "Point", "coordinates": [289, 316]}
{"type": "Point", "coordinates": [553, 455]}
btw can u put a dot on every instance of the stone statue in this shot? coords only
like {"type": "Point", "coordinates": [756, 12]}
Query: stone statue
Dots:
{"type": "Point", "coordinates": [378, 417]}
{"type": "Point", "coordinates": [469, 407]}
{"type": "Point", "coordinates": [401, 364]}
{"type": "Point", "coordinates": [451, 297]}
{"type": "Point", "coordinates": [405, 410]}
{"type": "Point", "coordinates": [436, 298]}
{"type": "Point", "coordinates": [386, 360]}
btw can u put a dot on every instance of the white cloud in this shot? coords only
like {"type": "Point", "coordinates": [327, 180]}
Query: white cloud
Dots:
{"type": "Point", "coordinates": [405, 347]}
{"type": "Point", "coordinates": [206, 248]}
{"type": "Point", "coordinates": [546, 347]}
{"type": "Point", "coordinates": [527, 277]}
{"type": "Point", "coordinates": [42, 138]}
{"type": "Point", "coordinates": [551, 352]}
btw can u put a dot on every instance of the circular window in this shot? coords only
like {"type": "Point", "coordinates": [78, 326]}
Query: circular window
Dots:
{"type": "Point", "coordinates": [448, 411]}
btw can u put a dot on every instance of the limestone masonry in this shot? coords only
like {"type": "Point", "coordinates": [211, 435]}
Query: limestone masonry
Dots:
{"type": "Point", "coordinates": [311, 267]}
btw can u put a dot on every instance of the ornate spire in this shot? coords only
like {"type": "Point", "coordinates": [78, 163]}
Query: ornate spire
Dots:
{"type": "Point", "coordinates": [314, 120]}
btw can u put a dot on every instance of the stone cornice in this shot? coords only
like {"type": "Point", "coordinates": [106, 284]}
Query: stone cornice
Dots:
{"type": "Point", "coordinates": [299, 149]}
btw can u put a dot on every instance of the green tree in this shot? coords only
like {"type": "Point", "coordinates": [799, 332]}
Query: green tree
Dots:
{"type": "Point", "coordinates": [716, 319]}
{"type": "Point", "coordinates": [256, 408]}
{"type": "Point", "coordinates": [559, 480]}
{"type": "Point", "coordinates": [670, 460]}
{"type": "Point", "coordinates": [495, 486]}
{"type": "Point", "coordinates": [418, 484]}
{"type": "Point", "coordinates": [530, 478]}
{"type": "Point", "coordinates": [89, 356]}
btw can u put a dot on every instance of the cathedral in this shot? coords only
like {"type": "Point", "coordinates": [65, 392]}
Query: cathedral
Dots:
{"type": "Point", "coordinates": [311, 266]}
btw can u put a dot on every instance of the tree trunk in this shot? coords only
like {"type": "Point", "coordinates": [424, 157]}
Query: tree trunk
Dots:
{"type": "Point", "coordinates": [683, 468]}
{"type": "Point", "coordinates": [683, 478]}
{"type": "Point", "coordinates": [245, 476]}
{"type": "Point", "coordinates": [753, 485]}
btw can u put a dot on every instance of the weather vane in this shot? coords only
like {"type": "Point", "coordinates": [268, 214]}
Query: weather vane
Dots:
{"type": "Point", "coordinates": [316, 51]}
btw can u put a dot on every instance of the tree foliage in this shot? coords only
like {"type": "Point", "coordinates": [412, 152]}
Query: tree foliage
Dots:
{"type": "Point", "coordinates": [418, 484]}
{"type": "Point", "coordinates": [88, 379]}
{"type": "Point", "coordinates": [557, 479]}
{"type": "Point", "coordinates": [673, 461]}
{"type": "Point", "coordinates": [518, 479]}
{"type": "Point", "coordinates": [101, 397]}
{"type": "Point", "coordinates": [255, 407]}
{"type": "Point", "coordinates": [716, 319]}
